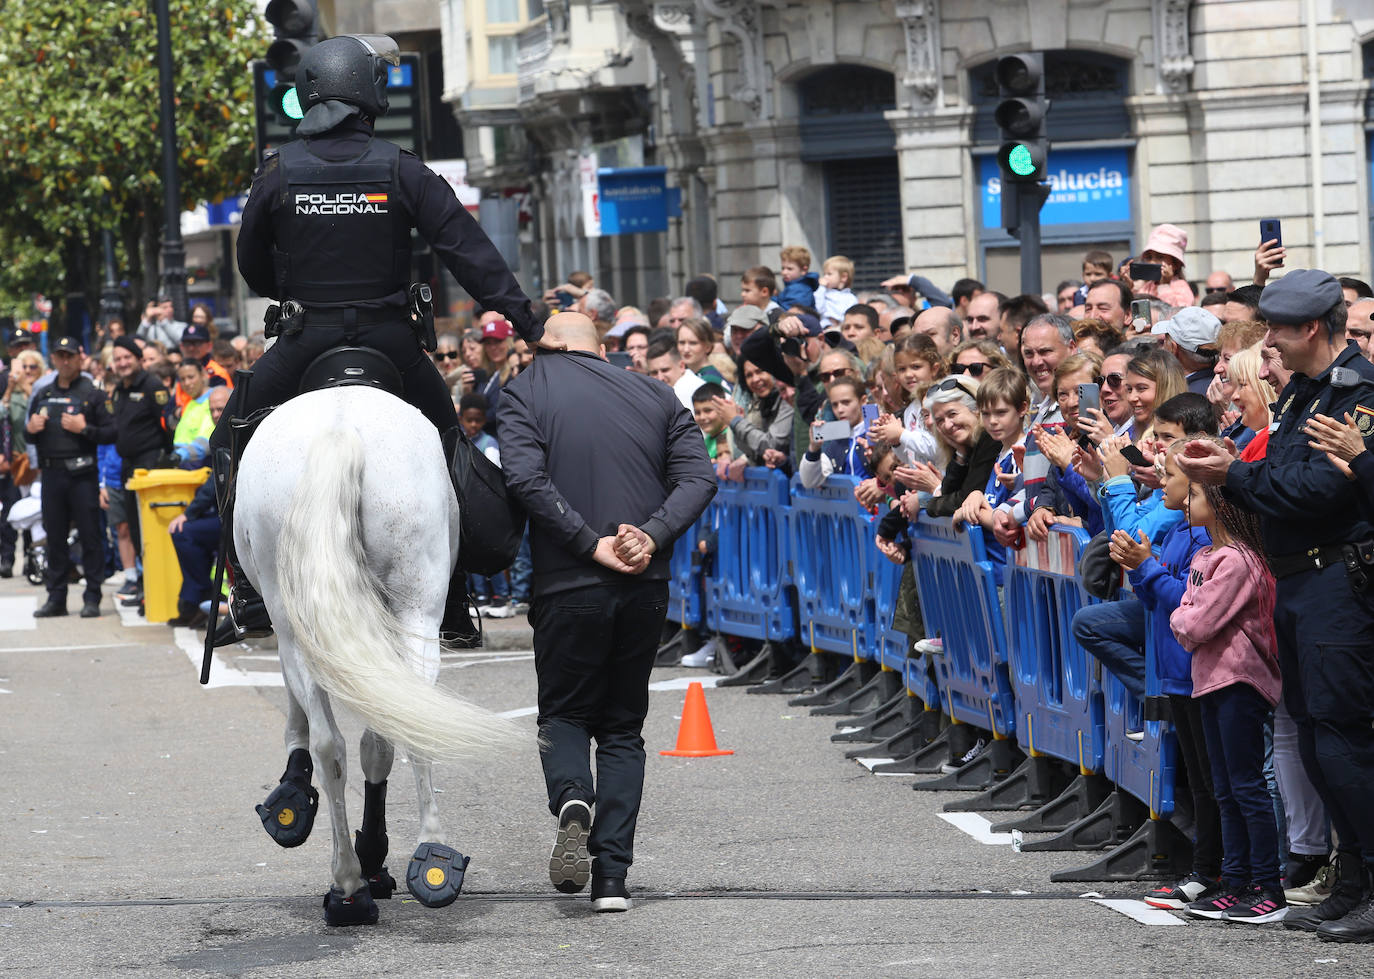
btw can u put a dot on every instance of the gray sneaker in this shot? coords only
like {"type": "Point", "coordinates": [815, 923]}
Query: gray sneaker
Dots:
{"type": "Point", "coordinates": [570, 866]}
{"type": "Point", "coordinates": [1315, 892]}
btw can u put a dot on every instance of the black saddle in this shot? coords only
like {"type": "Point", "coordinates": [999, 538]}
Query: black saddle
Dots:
{"type": "Point", "coordinates": [345, 366]}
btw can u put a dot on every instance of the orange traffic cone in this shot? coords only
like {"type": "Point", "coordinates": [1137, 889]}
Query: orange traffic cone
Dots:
{"type": "Point", "coordinates": [695, 739]}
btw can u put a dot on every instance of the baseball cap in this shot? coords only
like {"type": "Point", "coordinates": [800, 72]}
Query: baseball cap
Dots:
{"type": "Point", "coordinates": [65, 345]}
{"type": "Point", "coordinates": [746, 318]}
{"type": "Point", "coordinates": [497, 330]}
{"type": "Point", "coordinates": [624, 326]}
{"type": "Point", "coordinates": [19, 336]}
{"type": "Point", "coordinates": [1191, 327]}
{"type": "Point", "coordinates": [195, 333]}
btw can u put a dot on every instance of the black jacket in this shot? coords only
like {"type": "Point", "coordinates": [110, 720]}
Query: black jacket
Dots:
{"type": "Point", "coordinates": [145, 418]}
{"type": "Point", "coordinates": [586, 447]}
{"type": "Point", "coordinates": [426, 201]}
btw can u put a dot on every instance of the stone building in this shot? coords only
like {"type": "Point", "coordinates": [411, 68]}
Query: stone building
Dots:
{"type": "Point", "coordinates": [865, 128]}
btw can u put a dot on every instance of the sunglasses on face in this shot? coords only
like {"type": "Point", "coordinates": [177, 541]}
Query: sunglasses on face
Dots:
{"type": "Point", "coordinates": [1112, 380]}
{"type": "Point", "coordinates": [443, 355]}
{"type": "Point", "coordinates": [828, 376]}
{"type": "Point", "coordinates": [974, 370]}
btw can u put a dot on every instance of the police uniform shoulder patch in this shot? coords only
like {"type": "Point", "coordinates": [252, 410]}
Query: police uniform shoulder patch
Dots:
{"type": "Point", "coordinates": [1364, 420]}
{"type": "Point", "coordinates": [160, 396]}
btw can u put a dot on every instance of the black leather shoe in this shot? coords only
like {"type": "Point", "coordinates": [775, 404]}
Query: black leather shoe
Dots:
{"type": "Point", "coordinates": [247, 618]}
{"type": "Point", "coordinates": [51, 609]}
{"type": "Point", "coordinates": [90, 610]}
{"type": "Point", "coordinates": [1347, 894]}
{"type": "Point", "coordinates": [1356, 927]}
{"type": "Point", "coordinates": [7, 570]}
{"type": "Point", "coordinates": [610, 894]}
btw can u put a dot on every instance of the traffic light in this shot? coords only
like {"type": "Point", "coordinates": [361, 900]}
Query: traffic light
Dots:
{"type": "Point", "coordinates": [293, 22]}
{"type": "Point", "coordinates": [1020, 118]}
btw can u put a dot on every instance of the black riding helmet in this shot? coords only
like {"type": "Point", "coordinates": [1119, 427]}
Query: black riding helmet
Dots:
{"type": "Point", "coordinates": [349, 68]}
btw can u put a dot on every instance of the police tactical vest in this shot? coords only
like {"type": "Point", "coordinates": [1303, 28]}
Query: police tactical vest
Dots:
{"type": "Point", "coordinates": [55, 442]}
{"type": "Point", "coordinates": [342, 236]}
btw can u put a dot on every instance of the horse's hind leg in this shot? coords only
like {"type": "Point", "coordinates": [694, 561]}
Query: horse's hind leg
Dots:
{"type": "Point", "coordinates": [349, 901]}
{"type": "Point", "coordinates": [435, 874]}
{"type": "Point", "coordinates": [370, 842]}
{"type": "Point", "coordinates": [288, 814]}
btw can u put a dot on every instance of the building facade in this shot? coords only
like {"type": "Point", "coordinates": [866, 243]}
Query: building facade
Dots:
{"type": "Point", "coordinates": [865, 128]}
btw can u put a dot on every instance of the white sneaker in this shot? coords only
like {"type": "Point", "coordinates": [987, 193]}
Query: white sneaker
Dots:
{"type": "Point", "coordinates": [702, 658]}
{"type": "Point", "coordinates": [930, 647]}
{"type": "Point", "coordinates": [950, 767]}
{"type": "Point", "coordinates": [1135, 735]}
{"type": "Point", "coordinates": [503, 611]}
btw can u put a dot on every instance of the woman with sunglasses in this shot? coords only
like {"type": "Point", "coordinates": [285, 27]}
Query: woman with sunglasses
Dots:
{"type": "Point", "coordinates": [969, 452]}
{"type": "Point", "coordinates": [448, 357]}
{"type": "Point", "coordinates": [976, 357]}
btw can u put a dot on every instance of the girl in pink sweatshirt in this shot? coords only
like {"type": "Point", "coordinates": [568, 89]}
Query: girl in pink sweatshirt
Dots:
{"type": "Point", "coordinates": [1226, 620]}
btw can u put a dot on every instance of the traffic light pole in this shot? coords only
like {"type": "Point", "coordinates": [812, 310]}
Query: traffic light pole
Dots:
{"type": "Point", "coordinates": [173, 251]}
{"type": "Point", "coordinates": [1030, 198]}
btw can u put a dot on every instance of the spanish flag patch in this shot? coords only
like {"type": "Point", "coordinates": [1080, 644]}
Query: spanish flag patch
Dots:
{"type": "Point", "coordinates": [1364, 420]}
{"type": "Point", "coordinates": [376, 198]}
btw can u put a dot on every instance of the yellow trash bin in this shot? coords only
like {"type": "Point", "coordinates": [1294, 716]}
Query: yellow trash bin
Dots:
{"type": "Point", "coordinates": [163, 495]}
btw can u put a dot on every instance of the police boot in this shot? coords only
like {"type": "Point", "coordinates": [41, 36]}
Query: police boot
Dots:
{"type": "Point", "coordinates": [457, 628]}
{"type": "Point", "coordinates": [1348, 892]}
{"type": "Point", "coordinates": [247, 618]}
{"type": "Point", "coordinates": [1358, 925]}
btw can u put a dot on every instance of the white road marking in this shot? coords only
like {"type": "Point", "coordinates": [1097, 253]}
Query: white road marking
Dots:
{"type": "Point", "coordinates": [1142, 912]}
{"type": "Point", "coordinates": [16, 613]}
{"type": "Point", "coordinates": [977, 827]}
{"type": "Point", "coordinates": [677, 683]}
{"type": "Point", "coordinates": [483, 662]}
{"type": "Point", "coordinates": [223, 674]}
{"type": "Point", "coordinates": [129, 617]}
{"type": "Point", "coordinates": [64, 649]}
{"type": "Point", "coordinates": [871, 763]}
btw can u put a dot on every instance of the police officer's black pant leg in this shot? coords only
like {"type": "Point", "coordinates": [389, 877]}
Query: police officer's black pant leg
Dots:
{"type": "Point", "coordinates": [85, 498]}
{"type": "Point", "coordinates": [56, 510]}
{"type": "Point", "coordinates": [9, 537]}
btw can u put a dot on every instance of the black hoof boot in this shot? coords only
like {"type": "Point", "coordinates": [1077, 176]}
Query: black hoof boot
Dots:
{"type": "Point", "coordinates": [371, 843]}
{"type": "Point", "coordinates": [288, 815]}
{"type": "Point", "coordinates": [381, 885]}
{"type": "Point", "coordinates": [435, 874]}
{"type": "Point", "coordinates": [340, 911]}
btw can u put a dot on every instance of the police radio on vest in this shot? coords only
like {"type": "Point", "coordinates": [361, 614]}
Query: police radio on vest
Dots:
{"type": "Point", "coordinates": [345, 202]}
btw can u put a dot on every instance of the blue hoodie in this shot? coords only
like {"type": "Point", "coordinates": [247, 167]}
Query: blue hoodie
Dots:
{"type": "Point", "coordinates": [1122, 511]}
{"type": "Point", "coordinates": [799, 292]}
{"type": "Point", "coordinates": [1159, 584]}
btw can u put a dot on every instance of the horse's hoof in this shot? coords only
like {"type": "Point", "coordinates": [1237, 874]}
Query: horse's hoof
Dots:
{"type": "Point", "coordinates": [289, 813]}
{"type": "Point", "coordinates": [435, 874]}
{"type": "Point", "coordinates": [340, 911]}
{"type": "Point", "coordinates": [381, 885]}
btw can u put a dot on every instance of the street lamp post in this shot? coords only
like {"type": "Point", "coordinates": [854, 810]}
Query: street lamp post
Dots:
{"type": "Point", "coordinates": [173, 251]}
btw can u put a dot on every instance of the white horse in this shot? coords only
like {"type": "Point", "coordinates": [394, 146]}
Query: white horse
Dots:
{"type": "Point", "coordinates": [347, 523]}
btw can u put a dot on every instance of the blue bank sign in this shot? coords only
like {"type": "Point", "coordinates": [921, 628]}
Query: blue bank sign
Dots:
{"type": "Point", "coordinates": [1087, 187]}
{"type": "Point", "coordinates": [632, 200]}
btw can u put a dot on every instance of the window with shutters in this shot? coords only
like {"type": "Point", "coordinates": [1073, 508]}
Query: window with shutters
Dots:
{"type": "Point", "coordinates": [864, 211]}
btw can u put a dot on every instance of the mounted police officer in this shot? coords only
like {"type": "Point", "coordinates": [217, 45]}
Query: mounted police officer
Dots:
{"type": "Point", "coordinates": [1320, 545]}
{"type": "Point", "coordinates": [326, 230]}
{"type": "Point", "coordinates": [67, 419]}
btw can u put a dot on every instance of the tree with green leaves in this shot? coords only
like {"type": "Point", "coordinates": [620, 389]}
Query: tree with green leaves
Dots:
{"type": "Point", "coordinates": [80, 139]}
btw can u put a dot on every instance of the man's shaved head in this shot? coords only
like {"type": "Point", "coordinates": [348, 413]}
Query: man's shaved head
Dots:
{"type": "Point", "coordinates": [573, 330]}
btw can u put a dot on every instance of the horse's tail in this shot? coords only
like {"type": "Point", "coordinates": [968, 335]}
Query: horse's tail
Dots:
{"type": "Point", "coordinates": [352, 642]}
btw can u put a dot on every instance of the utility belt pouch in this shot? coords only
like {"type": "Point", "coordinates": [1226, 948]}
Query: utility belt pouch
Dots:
{"type": "Point", "coordinates": [292, 319]}
{"type": "Point", "coordinates": [271, 322]}
{"type": "Point", "coordinates": [1358, 566]}
{"type": "Point", "coordinates": [422, 316]}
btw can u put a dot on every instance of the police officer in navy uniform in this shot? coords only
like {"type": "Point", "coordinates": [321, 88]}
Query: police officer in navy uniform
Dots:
{"type": "Point", "coordinates": [1320, 545]}
{"type": "Point", "coordinates": [67, 419]}
{"type": "Point", "coordinates": [327, 227]}
{"type": "Point", "coordinates": [144, 414]}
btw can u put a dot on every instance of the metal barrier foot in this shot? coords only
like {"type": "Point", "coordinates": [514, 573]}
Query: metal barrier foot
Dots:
{"type": "Point", "coordinates": [991, 765]}
{"type": "Point", "coordinates": [1084, 794]}
{"type": "Point", "coordinates": [755, 671]}
{"type": "Point", "coordinates": [845, 685]}
{"type": "Point", "coordinates": [1155, 851]}
{"type": "Point", "coordinates": [1035, 782]}
{"type": "Point", "coordinates": [672, 651]}
{"type": "Point", "coordinates": [922, 727]}
{"type": "Point", "coordinates": [889, 714]}
{"type": "Point", "coordinates": [880, 688]}
{"type": "Point", "coordinates": [802, 677]}
{"type": "Point", "coordinates": [1110, 824]}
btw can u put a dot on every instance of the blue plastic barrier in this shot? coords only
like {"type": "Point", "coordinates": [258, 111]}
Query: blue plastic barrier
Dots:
{"type": "Point", "coordinates": [1059, 708]}
{"type": "Point", "coordinates": [829, 531]}
{"type": "Point", "coordinates": [889, 645]}
{"type": "Point", "coordinates": [1147, 769]}
{"type": "Point", "coordinates": [684, 577]}
{"type": "Point", "coordinates": [959, 601]}
{"type": "Point", "coordinates": [747, 593]}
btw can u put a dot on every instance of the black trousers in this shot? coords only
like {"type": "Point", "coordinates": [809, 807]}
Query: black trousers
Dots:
{"type": "Point", "coordinates": [1197, 763]}
{"type": "Point", "coordinates": [69, 501]}
{"type": "Point", "coordinates": [1326, 654]}
{"type": "Point", "coordinates": [9, 537]}
{"type": "Point", "coordinates": [277, 374]}
{"type": "Point", "coordinates": [593, 650]}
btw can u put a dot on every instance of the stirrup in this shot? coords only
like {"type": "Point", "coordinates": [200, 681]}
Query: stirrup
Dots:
{"type": "Point", "coordinates": [457, 629]}
{"type": "Point", "coordinates": [247, 618]}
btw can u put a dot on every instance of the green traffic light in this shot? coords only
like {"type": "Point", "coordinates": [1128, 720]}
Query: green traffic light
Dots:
{"type": "Point", "coordinates": [291, 104]}
{"type": "Point", "coordinates": [1020, 161]}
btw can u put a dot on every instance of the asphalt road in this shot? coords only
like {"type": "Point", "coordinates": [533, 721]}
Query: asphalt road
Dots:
{"type": "Point", "coordinates": [130, 844]}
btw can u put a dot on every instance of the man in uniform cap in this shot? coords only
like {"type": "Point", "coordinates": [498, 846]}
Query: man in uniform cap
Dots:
{"type": "Point", "coordinates": [20, 340]}
{"type": "Point", "coordinates": [1321, 550]}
